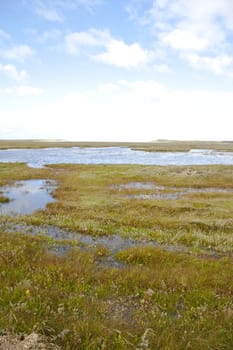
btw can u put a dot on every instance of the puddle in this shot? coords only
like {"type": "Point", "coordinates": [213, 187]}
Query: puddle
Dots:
{"type": "Point", "coordinates": [138, 186]}
{"type": "Point", "coordinates": [163, 192]}
{"type": "Point", "coordinates": [105, 261]}
{"type": "Point", "coordinates": [170, 196]}
{"type": "Point", "coordinates": [113, 243]}
{"type": "Point", "coordinates": [25, 197]}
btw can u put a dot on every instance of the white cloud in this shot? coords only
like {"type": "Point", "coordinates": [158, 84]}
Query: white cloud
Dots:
{"type": "Point", "coordinates": [218, 64]}
{"type": "Point", "coordinates": [23, 91]}
{"type": "Point", "coordinates": [120, 54]}
{"type": "Point", "coordinates": [11, 71]}
{"type": "Point", "coordinates": [196, 12]}
{"type": "Point", "coordinates": [184, 40]}
{"type": "Point", "coordinates": [129, 111]}
{"type": "Point", "coordinates": [189, 27]}
{"type": "Point", "coordinates": [18, 52]}
{"type": "Point", "coordinates": [195, 25]}
{"type": "Point", "coordinates": [116, 52]}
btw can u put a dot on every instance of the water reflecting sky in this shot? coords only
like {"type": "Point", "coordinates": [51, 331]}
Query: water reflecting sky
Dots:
{"type": "Point", "coordinates": [113, 155]}
{"type": "Point", "coordinates": [26, 196]}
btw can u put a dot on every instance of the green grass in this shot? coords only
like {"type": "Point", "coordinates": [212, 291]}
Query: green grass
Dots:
{"type": "Point", "coordinates": [89, 203]}
{"type": "Point", "coordinates": [159, 300]}
{"type": "Point", "coordinates": [159, 146]}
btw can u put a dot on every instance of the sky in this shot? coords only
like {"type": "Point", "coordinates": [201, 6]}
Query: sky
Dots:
{"type": "Point", "coordinates": [116, 70]}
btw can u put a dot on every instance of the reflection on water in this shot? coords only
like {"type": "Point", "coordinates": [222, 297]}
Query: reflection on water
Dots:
{"type": "Point", "coordinates": [27, 196]}
{"type": "Point", "coordinates": [113, 155]}
{"type": "Point", "coordinates": [114, 243]}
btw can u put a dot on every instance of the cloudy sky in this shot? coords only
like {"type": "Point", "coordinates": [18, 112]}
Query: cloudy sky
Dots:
{"type": "Point", "coordinates": [116, 70]}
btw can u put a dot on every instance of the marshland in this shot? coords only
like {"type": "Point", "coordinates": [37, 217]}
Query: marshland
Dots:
{"type": "Point", "coordinates": [124, 256]}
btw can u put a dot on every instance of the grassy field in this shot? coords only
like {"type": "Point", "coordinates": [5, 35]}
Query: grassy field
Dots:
{"type": "Point", "coordinates": [162, 145]}
{"type": "Point", "coordinates": [157, 299]}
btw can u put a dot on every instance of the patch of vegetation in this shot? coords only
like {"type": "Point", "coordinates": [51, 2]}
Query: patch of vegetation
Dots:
{"type": "Point", "coordinates": [159, 301]}
{"type": "Point", "coordinates": [11, 172]}
{"type": "Point", "coordinates": [4, 199]}
{"type": "Point", "coordinates": [89, 201]}
{"type": "Point", "coordinates": [155, 146]}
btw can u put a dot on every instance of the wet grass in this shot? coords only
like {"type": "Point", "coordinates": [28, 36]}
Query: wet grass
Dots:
{"type": "Point", "coordinates": [160, 300]}
{"type": "Point", "coordinates": [89, 203]}
{"type": "Point", "coordinates": [157, 299]}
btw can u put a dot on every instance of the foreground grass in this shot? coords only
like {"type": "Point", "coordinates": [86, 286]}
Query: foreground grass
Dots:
{"type": "Point", "coordinates": [160, 301]}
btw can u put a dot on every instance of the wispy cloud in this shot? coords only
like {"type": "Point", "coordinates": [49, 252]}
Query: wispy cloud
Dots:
{"type": "Point", "coordinates": [50, 14]}
{"type": "Point", "coordinates": [110, 50]}
{"type": "Point", "coordinates": [162, 68]}
{"type": "Point", "coordinates": [55, 10]}
{"type": "Point", "coordinates": [18, 52]}
{"type": "Point", "coordinates": [23, 91]}
{"type": "Point", "coordinates": [72, 4]}
{"type": "Point", "coordinates": [11, 71]}
{"type": "Point", "coordinates": [218, 64]}
{"type": "Point", "coordinates": [76, 41]}
{"type": "Point", "coordinates": [52, 34]}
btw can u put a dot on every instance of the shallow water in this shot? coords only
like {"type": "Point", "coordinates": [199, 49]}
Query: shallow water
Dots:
{"type": "Point", "coordinates": [113, 243]}
{"type": "Point", "coordinates": [26, 196]}
{"type": "Point", "coordinates": [164, 192]}
{"type": "Point", "coordinates": [138, 186]}
{"type": "Point", "coordinates": [113, 155]}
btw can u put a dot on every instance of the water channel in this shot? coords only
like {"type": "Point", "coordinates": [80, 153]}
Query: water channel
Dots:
{"type": "Point", "coordinates": [113, 155]}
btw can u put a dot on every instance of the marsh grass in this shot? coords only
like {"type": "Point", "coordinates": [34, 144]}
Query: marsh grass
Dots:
{"type": "Point", "coordinates": [156, 146]}
{"type": "Point", "coordinates": [4, 199]}
{"type": "Point", "coordinates": [184, 301]}
{"type": "Point", "coordinates": [89, 201]}
{"type": "Point", "coordinates": [158, 299]}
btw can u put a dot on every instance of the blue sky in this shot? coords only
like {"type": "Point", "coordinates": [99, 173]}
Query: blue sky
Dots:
{"type": "Point", "coordinates": [114, 70]}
